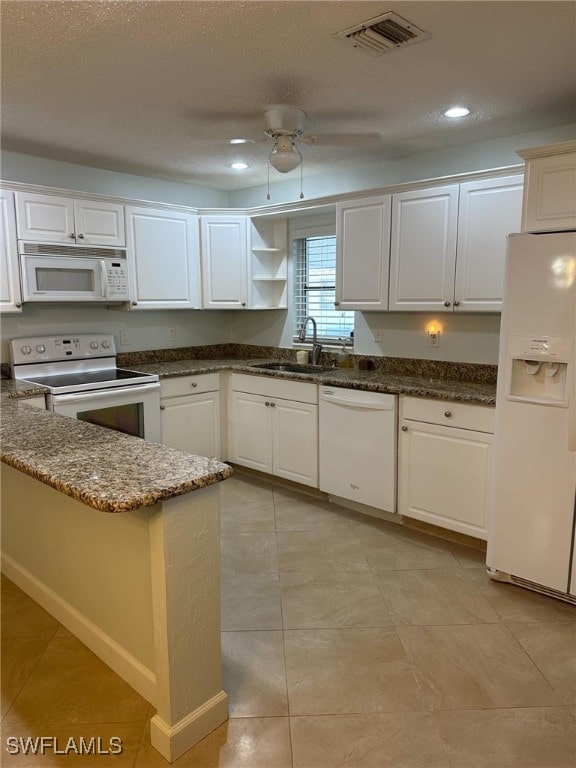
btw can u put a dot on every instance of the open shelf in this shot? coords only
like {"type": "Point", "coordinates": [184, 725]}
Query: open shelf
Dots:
{"type": "Point", "coordinates": [269, 262]}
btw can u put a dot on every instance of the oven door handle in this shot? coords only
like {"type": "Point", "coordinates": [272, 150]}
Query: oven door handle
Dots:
{"type": "Point", "coordinates": [101, 394]}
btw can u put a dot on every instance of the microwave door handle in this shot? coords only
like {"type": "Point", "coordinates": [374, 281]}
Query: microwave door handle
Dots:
{"type": "Point", "coordinates": [104, 279]}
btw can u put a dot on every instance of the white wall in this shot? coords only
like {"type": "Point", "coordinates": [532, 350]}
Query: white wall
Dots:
{"type": "Point", "coordinates": [465, 338]}
{"type": "Point", "coordinates": [54, 173]}
{"type": "Point", "coordinates": [145, 329]}
{"type": "Point", "coordinates": [497, 153]}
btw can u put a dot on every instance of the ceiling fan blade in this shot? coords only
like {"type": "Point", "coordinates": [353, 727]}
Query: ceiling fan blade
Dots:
{"type": "Point", "coordinates": [353, 139]}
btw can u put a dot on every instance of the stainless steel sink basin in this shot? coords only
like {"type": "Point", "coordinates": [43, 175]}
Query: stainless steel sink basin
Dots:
{"type": "Point", "coordinates": [292, 368]}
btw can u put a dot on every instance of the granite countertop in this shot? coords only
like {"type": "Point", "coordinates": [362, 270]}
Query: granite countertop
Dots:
{"type": "Point", "coordinates": [103, 469]}
{"type": "Point", "coordinates": [475, 393]}
{"type": "Point", "coordinates": [82, 460]}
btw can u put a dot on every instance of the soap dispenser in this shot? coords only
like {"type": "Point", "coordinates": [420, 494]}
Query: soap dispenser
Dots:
{"type": "Point", "coordinates": [343, 356]}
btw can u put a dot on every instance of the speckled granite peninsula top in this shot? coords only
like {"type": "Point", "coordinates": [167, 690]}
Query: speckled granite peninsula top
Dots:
{"type": "Point", "coordinates": [475, 393]}
{"type": "Point", "coordinates": [103, 469]}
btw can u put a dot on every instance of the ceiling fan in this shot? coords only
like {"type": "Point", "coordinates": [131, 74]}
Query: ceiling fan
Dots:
{"type": "Point", "coordinates": [285, 125]}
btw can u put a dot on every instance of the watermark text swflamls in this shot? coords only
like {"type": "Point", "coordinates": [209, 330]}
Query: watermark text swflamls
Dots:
{"type": "Point", "coordinates": [42, 745]}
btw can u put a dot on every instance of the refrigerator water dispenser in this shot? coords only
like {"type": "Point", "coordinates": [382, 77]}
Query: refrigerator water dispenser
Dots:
{"type": "Point", "coordinates": [540, 370]}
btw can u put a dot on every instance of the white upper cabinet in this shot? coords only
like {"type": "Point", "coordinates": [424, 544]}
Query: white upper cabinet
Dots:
{"type": "Point", "coordinates": [489, 211]}
{"type": "Point", "coordinates": [550, 195]}
{"type": "Point", "coordinates": [423, 249]}
{"type": "Point", "coordinates": [10, 296]}
{"type": "Point", "coordinates": [162, 250]}
{"type": "Point", "coordinates": [363, 253]}
{"type": "Point", "coordinates": [55, 219]}
{"type": "Point", "coordinates": [224, 250]}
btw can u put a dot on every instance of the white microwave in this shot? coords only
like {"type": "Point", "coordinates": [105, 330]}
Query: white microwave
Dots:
{"type": "Point", "coordinates": [68, 273]}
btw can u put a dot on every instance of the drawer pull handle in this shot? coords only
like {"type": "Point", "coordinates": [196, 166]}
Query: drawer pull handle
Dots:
{"type": "Point", "coordinates": [266, 403]}
{"type": "Point", "coordinates": [456, 303]}
{"type": "Point", "coordinates": [404, 429]}
{"type": "Point", "coordinates": [447, 414]}
{"type": "Point", "coordinates": [194, 384]}
{"type": "Point", "coordinates": [162, 407]}
{"type": "Point", "coordinates": [272, 405]}
{"type": "Point", "coordinates": [446, 303]}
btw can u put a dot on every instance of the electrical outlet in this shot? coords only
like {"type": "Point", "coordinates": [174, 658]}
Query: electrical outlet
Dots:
{"type": "Point", "coordinates": [171, 333]}
{"type": "Point", "coordinates": [124, 338]}
{"type": "Point", "coordinates": [433, 338]}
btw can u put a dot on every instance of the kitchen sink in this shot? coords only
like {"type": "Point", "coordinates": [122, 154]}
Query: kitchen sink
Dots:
{"type": "Point", "coordinates": [292, 368]}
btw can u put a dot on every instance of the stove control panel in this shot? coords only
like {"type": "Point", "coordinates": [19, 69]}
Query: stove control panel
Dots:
{"type": "Point", "coordinates": [43, 349]}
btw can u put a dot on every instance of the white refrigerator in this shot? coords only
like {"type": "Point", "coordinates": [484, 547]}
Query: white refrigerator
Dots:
{"type": "Point", "coordinates": [532, 518]}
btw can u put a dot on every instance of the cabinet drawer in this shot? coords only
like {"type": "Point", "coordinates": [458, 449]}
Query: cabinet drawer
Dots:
{"type": "Point", "coordinates": [448, 413]}
{"type": "Point", "coordinates": [190, 385]}
{"type": "Point", "coordinates": [301, 391]}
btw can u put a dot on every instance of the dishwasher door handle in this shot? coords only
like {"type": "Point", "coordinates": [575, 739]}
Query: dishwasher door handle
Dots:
{"type": "Point", "coordinates": [366, 405]}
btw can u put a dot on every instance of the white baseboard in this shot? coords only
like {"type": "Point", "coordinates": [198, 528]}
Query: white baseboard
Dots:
{"type": "Point", "coordinates": [173, 741]}
{"type": "Point", "coordinates": [142, 679]}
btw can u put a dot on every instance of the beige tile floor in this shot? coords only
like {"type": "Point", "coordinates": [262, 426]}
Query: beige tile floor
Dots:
{"type": "Point", "coordinates": [347, 642]}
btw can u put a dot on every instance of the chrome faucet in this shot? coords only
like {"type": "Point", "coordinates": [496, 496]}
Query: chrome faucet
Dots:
{"type": "Point", "coordinates": [316, 348]}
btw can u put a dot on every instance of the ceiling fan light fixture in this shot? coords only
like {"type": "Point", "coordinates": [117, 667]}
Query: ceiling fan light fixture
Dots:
{"type": "Point", "coordinates": [239, 166]}
{"type": "Point", "coordinates": [285, 155]}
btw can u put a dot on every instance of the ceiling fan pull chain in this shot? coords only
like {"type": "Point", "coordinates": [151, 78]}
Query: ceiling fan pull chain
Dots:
{"type": "Point", "coordinates": [268, 165]}
{"type": "Point", "coordinates": [301, 184]}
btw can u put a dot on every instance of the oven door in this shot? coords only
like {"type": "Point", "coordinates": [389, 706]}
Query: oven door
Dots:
{"type": "Point", "coordinates": [133, 410]}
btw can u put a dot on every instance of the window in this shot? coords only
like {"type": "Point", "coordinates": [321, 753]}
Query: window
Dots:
{"type": "Point", "coordinates": [315, 289]}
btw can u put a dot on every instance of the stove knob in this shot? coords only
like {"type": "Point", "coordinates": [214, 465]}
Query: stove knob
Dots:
{"type": "Point", "coordinates": [93, 345]}
{"type": "Point", "coordinates": [40, 348]}
{"type": "Point", "coordinates": [26, 349]}
{"type": "Point", "coordinates": [106, 344]}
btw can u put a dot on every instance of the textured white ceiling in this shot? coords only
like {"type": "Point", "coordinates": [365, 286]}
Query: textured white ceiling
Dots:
{"type": "Point", "coordinates": [157, 88]}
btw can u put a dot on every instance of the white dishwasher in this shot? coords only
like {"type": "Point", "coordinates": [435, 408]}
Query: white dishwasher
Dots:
{"type": "Point", "coordinates": [358, 446]}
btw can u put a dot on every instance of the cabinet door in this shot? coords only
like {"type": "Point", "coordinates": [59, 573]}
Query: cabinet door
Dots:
{"type": "Point", "coordinates": [251, 431]}
{"type": "Point", "coordinates": [99, 223]}
{"type": "Point", "coordinates": [10, 295]}
{"type": "Point", "coordinates": [192, 423]}
{"type": "Point", "coordinates": [45, 218]}
{"type": "Point", "coordinates": [423, 249]}
{"type": "Point", "coordinates": [163, 256]}
{"type": "Point", "coordinates": [489, 211]}
{"type": "Point", "coordinates": [444, 476]}
{"type": "Point", "coordinates": [550, 202]}
{"type": "Point", "coordinates": [295, 441]}
{"type": "Point", "coordinates": [363, 253]}
{"type": "Point", "coordinates": [224, 250]}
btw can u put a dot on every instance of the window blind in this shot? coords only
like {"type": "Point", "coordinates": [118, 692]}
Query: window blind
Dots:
{"type": "Point", "coordinates": [315, 289]}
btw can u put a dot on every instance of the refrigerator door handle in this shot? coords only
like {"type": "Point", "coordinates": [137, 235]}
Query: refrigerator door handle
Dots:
{"type": "Point", "coordinates": [572, 408]}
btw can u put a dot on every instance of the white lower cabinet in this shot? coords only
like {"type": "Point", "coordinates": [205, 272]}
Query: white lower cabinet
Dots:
{"type": "Point", "coordinates": [444, 464]}
{"type": "Point", "coordinates": [273, 427]}
{"type": "Point", "coordinates": [190, 414]}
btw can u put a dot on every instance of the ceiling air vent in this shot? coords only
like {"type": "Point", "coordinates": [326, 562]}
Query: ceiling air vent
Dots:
{"type": "Point", "coordinates": [383, 34]}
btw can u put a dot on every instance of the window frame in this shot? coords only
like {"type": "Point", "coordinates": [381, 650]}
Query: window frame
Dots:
{"type": "Point", "coordinates": [299, 233]}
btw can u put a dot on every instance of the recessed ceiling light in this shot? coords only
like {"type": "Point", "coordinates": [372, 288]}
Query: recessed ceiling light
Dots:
{"type": "Point", "coordinates": [457, 112]}
{"type": "Point", "coordinates": [238, 141]}
{"type": "Point", "coordinates": [239, 166]}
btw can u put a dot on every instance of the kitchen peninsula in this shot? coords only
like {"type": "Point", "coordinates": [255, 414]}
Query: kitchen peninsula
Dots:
{"type": "Point", "coordinates": [117, 537]}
